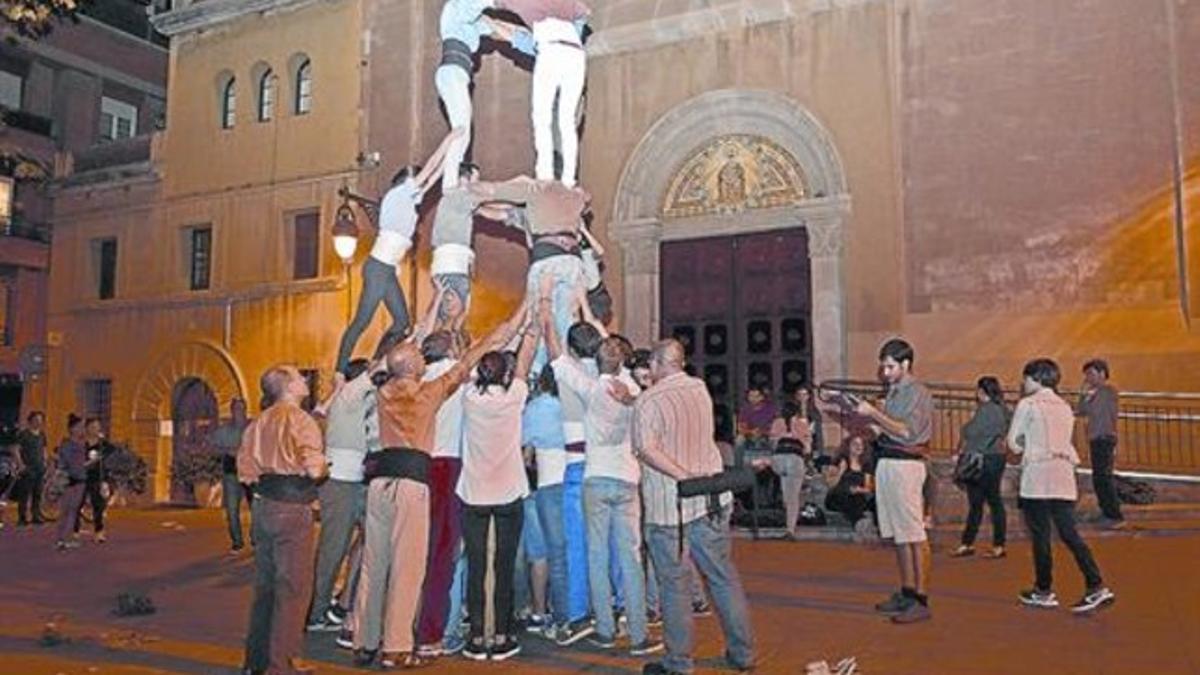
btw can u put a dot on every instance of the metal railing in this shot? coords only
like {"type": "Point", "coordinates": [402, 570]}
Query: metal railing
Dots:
{"type": "Point", "coordinates": [1156, 431]}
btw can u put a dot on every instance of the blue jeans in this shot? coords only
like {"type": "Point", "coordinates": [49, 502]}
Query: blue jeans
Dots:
{"type": "Point", "coordinates": [575, 531]}
{"type": "Point", "coordinates": [613, 512]}
{"type": "Point", "coordinates": [707, 540]}
{"type": "Point", "coordinates": [694, 583]}
{"type": "Point", "coordinates": [457, 590]}
{"type": "Point", "coordinates": [567, 272]}
{"type": "Point", "coordinates": [550, 513]}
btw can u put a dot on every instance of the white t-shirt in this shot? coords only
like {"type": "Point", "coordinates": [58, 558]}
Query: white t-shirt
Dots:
{"type": "Point", "coordinates": [448, 431]}
{"type": "Point", "coordinates": [493, 470]}
{"type": "Point", "coordinates": [397, 222]}
{"type": "Point", "coordinates": [1041, 432]}
{"type": "Point", "coordinates": [605, 421]}
{"type": "Point", "coordinates": [573, 404]}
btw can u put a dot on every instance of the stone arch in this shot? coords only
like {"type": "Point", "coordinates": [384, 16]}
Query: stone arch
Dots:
{"type": "Point", "coordinates": [154, 395]}
{"type": "Point", "coordinates": [640, 222]}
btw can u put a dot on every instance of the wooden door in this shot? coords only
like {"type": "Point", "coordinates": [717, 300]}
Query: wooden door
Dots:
{"type": "Point", "coordinates": [741, 306]}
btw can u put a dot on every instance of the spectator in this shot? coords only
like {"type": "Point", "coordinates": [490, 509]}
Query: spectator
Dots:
{"type": "Point", "coordinates": [32, 439]}
{"type": "Point", "coordinates": [98, 490]}
{"type": "Point", "coordinates": [792, 435]}
{"type": "Point", "coordinates": [983, 435]}
{"type": "Point", "coordinates": [73, 461]}
{"type": "Point", "coordinates": [1040, 436]}
{"type": "Point", "coordinates": [851, 481]}
{"type": "Point", "coordinates": [754, 426]}
{"type": "Point", "coordinates": [1098, 402]}
{"type": "Point", "coordinates": [227, 438]}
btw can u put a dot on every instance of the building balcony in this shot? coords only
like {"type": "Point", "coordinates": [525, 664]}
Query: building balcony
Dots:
{"type": "Point", "coordinates": [27, 121]}
{"type": "Point", "coordinates": [110, 161]}
{"type": "Point", "coordinates": [26, 229]}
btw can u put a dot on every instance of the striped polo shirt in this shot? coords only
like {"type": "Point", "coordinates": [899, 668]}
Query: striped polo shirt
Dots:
{"type": "Point", "coordinates": [676, 415]}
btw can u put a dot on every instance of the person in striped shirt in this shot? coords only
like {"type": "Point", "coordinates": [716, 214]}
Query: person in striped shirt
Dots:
{"type": "Point", "coordinates": [672, 434]}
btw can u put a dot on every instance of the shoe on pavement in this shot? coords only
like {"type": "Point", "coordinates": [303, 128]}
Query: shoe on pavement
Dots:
{"type": "Point", "coordinates": [914, 613]}
{"type": "Point", "coordinates": [336, 615]}
{"type": "Point", "coordinates": [701, 608]}
{"type": "Point", "coordinates": [537, 623]}
{"type": "Point", "coordinates": [602, 641]}
{"type": "Point", "coordinates": [1035, 598]}
{"type": "Point", "coordinates": [506, 648]}
{"type": "Point", "coordinates": [653, 619]}
{"type": "Point", "coordinates": [1094, 600]}
{"type": "Point", "coordinates": [345, 639]}
{"type": "Point", "coordinates": [739, 667]}
{"type": "Point", "coordinates": [100, 537]}
{"type": "Point", "coordinates": [646, 647]}
{"type": "Point", "coordinates": [996, 553]}
{"type": "Point", "coordinates": [963, 551]}
{"type": "Point", "coordinates": [1116, 524]}
{"type": "Point", "coordinates": [321, 626]}
{"type": "Point", "coordinates": [574, 632]}
{"type": "Point", "coordinates": [476, 650]}
{"type": "Point", "coordinates": [897, 603]}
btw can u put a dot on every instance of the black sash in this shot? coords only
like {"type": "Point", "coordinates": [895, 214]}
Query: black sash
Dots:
{"type": "Point", "coordinates": [457, 53]}
{"type": "Point", "coordinates": [397, 463]}
{"type": "Point", "coordinates": [290, 489]}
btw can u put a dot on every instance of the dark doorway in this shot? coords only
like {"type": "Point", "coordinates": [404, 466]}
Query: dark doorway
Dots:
{"type": "Point", "coordinates": [742, 307]}
{"type": "Point", "coordinates": [194, 413]}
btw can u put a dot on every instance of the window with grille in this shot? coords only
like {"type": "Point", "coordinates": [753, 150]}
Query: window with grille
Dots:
{"type": "Point", "coordinates": [95, 396]}
{"type": "Point", "coordinates": [306, 245]}
{"type": "Point", "coordinates": [200, 257]}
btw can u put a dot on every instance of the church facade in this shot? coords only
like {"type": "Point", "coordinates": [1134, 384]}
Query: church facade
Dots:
{"type": "Point", "coordinates": [780, 184]}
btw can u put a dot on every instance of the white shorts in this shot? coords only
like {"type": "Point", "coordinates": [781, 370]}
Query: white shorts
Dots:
{"type": "Point", "coordinates": [898, 500]}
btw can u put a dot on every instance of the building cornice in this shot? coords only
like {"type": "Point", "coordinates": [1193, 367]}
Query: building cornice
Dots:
{"type": "Point", "coordinates": [208, 14]}
{"type": "Point", "coordinates": [677, 28]}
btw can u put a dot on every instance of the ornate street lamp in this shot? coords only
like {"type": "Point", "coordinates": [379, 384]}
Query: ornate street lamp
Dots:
{"type": "Point", "coordinates": [345, 232]}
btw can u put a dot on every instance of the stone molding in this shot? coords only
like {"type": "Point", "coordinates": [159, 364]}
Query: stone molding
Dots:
{"type": "Point", "coordinates": [211, 13]}
{"type": "Point", "coordinates": [676, 28]}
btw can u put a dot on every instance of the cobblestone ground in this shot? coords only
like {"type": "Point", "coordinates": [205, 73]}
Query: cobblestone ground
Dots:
{"type": "Point", "coordinates": [810, 601]}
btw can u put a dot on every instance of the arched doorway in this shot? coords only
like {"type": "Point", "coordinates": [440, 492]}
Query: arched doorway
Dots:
{"type": "Point", "coordinates": [194, 413]}
{"type": "Point", "coordinates": [154, 401]}
{"type": "Point", "coordinates": [738, 165]}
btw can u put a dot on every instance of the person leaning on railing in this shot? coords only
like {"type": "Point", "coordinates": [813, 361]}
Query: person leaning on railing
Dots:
{"type": "Point", "coordinates": [983, 435]}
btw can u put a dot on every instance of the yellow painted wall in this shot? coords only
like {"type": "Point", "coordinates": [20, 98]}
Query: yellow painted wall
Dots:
{"type": "Point", "coordinates": [203, 157]}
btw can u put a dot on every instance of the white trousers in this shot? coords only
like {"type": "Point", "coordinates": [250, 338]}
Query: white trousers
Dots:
{"type": "Point", "coordinates": [454, 87]}
{"type": "Point", "coordinates": [558, 74]}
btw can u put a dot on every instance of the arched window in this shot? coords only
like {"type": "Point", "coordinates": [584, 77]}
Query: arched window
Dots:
{"type": "Point", "coordinates": [229, 103]}
{"type": "Point", "coordinates": [266, 96]}
{"type": "Point", "coordinates": [303, 88]}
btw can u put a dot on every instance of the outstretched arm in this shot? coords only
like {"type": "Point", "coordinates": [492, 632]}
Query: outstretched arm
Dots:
{"type": "Point", "coordinates": [428, 320]}
{"type": "Point", "coordinates": [587, 234]}
{"type": "Point", "coordinates": [498, 337]}
{"type": "Point", "coordinates": [529, 343]}
{"type": "Point", "coordinates": [433, 166]}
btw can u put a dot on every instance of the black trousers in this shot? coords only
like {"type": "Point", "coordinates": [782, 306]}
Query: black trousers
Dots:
{"type": "Point", "coordinates": [987, 490]}
{"type": "Point", "coordinates": [94, 498]}
{"type": "Point", "coordinates": [28, 492]}
{"type": "Point", "coordinates": [1040, 515]}
{"type": "Point", "coordinates": [1104, 452]}
{"type": "Point", "coordinates": [509, 520]}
